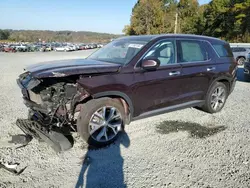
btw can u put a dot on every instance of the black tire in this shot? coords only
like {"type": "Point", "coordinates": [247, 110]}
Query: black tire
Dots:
{"type": "Point", "coordinates": [87, 110]}
{"type": "Point", "coordinates": [246, 77]}
{"type": "Point", "coordinates": [241, 61]}
{"type": "Point", "coordinates": [208, 100]}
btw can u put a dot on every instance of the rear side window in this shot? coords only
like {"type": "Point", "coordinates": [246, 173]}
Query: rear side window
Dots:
{"type": "Point", "coordinates": [223, 50]}
{"type": "Point", "coordinates": [242, 49]}
{"type": "Point", "coordinates": [238, 49]}
{"type": "Point", "coordinates": [191, 51]}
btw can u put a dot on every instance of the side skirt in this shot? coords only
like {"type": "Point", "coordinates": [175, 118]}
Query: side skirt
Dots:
{"type": "Point", "coordinates": [169, 109]}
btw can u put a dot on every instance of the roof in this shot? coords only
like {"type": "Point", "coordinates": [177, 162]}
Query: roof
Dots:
{"type": "Point", "coordinates": [151, 37]}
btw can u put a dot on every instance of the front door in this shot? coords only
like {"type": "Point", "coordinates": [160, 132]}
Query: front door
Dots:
{"type": "Point", "coordinates": [159, 88]}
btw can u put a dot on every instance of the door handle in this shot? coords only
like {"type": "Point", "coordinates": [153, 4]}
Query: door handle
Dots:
{"type": "Point", "coordinates": [174, 73]}
{"type": "Point", "coordinates": [211, 69]}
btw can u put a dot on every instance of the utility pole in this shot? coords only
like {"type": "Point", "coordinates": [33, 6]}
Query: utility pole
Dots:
{"type": "Point", "coordinates": [147, 20]}
{"type": "Point", "coordinates": [165, 14]}
{"type": "Point", "coordinates": [176, 21]}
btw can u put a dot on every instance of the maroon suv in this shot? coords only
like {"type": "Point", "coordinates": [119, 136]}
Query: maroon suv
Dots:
{"type": "Point", "coordinates": [128, 79]}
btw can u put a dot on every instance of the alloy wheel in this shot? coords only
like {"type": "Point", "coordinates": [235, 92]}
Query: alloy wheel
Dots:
{"type": "Point", "coordinates": [105, 124]}
{"type": "Point", "coordinates": [218, 98]}
{"type": "Point", "coordinates": [241, 61]}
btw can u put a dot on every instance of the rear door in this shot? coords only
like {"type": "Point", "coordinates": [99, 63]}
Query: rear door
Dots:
{"type": "Point", "coordinates": [198, 68]}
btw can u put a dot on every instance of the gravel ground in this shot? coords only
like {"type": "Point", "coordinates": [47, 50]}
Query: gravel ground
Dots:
{"type": "Point", "coordinates": [187, 148]}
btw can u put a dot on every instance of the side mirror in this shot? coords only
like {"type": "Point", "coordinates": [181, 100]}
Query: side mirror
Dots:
{"type": "Point", "coordinates": [150, 64]}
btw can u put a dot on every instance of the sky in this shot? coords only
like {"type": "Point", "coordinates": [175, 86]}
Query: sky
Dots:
{"type": "Point", "coordinates": [108, 16]}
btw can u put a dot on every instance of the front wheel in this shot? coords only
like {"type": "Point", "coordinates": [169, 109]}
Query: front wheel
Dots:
{"type": "Point", "coordinates": [216, 98]}
{"type": "Point", "coordinates": [100, 121]}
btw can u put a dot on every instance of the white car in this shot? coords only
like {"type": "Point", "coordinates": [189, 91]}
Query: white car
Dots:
{"type": "Point", "coordinates": [73, 47]}
{"type": "Point", "coordinates": [21, 47]}
{"type": "Point", "coordinates": [99, 45]}
{"type": "Point", "coordinates": [63, 48]}
{"type": "Point", "coordinates": [240, 54]}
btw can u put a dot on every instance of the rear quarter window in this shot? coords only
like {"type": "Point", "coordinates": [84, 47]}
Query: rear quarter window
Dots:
{"type": "Point", "coordinates": [223, 50]}
{"type": "Point", "coordinates": [242, 50]}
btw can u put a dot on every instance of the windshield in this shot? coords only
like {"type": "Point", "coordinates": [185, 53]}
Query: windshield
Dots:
{"type": "Point", "coordinates": [119, 51]}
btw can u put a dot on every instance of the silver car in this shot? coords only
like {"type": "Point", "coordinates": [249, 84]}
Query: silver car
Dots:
{"type": "Point", "coordinates": [240, 54]}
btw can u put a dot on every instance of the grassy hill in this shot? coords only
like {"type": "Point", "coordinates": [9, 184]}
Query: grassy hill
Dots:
{"type": "Point", "coordinates": [60, 36]}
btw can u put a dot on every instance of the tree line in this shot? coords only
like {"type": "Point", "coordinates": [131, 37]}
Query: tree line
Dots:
{"type": "Point", "coordinates": [225, 19]}
{"type": "Point", "coordinates": [51, 36]}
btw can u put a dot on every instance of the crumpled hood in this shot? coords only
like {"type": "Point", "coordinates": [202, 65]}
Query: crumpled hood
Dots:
{"type": "Point", "coordinates": [62, 68]}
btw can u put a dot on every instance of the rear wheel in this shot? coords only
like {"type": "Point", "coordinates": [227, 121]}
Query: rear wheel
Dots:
{"type": "Point", "coordinates": [216, 98]}
{"type": "Point", "coordinates": [247, 77]}
{"type": "Point", "coordinates": [241, 61]}
{"type": "Point", "coordinates": [100, 121]}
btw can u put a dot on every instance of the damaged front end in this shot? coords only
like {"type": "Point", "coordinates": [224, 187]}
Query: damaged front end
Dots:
{"type": "Point", "coordinates": [52, 106]}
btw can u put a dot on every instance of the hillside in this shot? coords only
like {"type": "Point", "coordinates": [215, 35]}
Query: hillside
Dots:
{"type": "Point", "coordinates": [60, 36]}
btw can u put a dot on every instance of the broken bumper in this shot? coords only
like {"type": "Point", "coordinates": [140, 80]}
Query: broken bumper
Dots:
{"type": "Point", "coordinates": [56, 140]}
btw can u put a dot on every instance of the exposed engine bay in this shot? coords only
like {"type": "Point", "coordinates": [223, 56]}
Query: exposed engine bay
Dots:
{"type": "Point", "coordinates": [52, 106]}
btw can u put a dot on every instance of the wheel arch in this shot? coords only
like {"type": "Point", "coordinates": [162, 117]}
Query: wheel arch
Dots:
{"type": "Point", "coordinates": [240, 56]}
{"type": "Point", "coordinates": [223, 79]}
{"type": "Point", "coordinates": [117, 94]}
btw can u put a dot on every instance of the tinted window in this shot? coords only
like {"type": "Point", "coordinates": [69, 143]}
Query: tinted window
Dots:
{"type": "Point", "coordinates": [234, 49]}
{"type": "Point", "coordinates": [223, 50]}
{"type": "Point", "coordinates": [191, 51]}
{"type": "Point", "coordinates": [164, 51]}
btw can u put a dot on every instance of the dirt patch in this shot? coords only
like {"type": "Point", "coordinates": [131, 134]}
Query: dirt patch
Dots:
{"type": "Point", "coordinates": [194, 129]}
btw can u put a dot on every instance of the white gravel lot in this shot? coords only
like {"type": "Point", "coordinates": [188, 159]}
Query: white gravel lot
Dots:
{"type": "Point", "coordinates": [152, 153]}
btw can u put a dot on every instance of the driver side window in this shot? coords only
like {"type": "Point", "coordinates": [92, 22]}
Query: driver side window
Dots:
{"type": "Point", "coordinates": [164, 52]}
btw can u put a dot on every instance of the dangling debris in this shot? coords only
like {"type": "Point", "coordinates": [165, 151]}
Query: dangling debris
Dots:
{"type": "Point", "coordinates": [22, 139]}
{"type": "Point", "coordinates": [12, 167]}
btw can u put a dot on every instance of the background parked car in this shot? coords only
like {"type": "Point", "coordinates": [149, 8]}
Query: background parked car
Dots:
{"type": "Point", "coordinates": [33, 48]}
{"type": "Point", "coordinates": [9, 48]}
{"type": "Point", "coordinates": [63, 48]}
{"type": "Point", "coordinates": [21, 48]}
{"type": "Point", "coordinates": [99, 45]}
{"type": "Point", "coordinates": [1, 48]}
{"type": "Point", "coordinates": [46, 47]}
{"type": "Point", "coordinates": [82, 47]}
{"type": "Point", "coordinates": [240, 54]}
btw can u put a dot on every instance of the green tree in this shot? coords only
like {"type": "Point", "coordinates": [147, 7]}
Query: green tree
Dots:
{"type": "Point", "coordinates": [4, 34]}
{"type": "Point", "coordinates": [147, 18]}
{"type": "Point", "coordinates": [225, 19]}
{"type": "Point", "coordinates": [219, 19]}
{"type": "Point", "coordinates": [188, 16]}
{"type": "Point", "coordinates": [241, 11]}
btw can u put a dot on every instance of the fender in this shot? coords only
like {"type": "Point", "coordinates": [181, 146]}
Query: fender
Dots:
{"type": "Point", "coordinates": [119, 94]}
{"type": "Point", "coordinates": [221, 78]}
